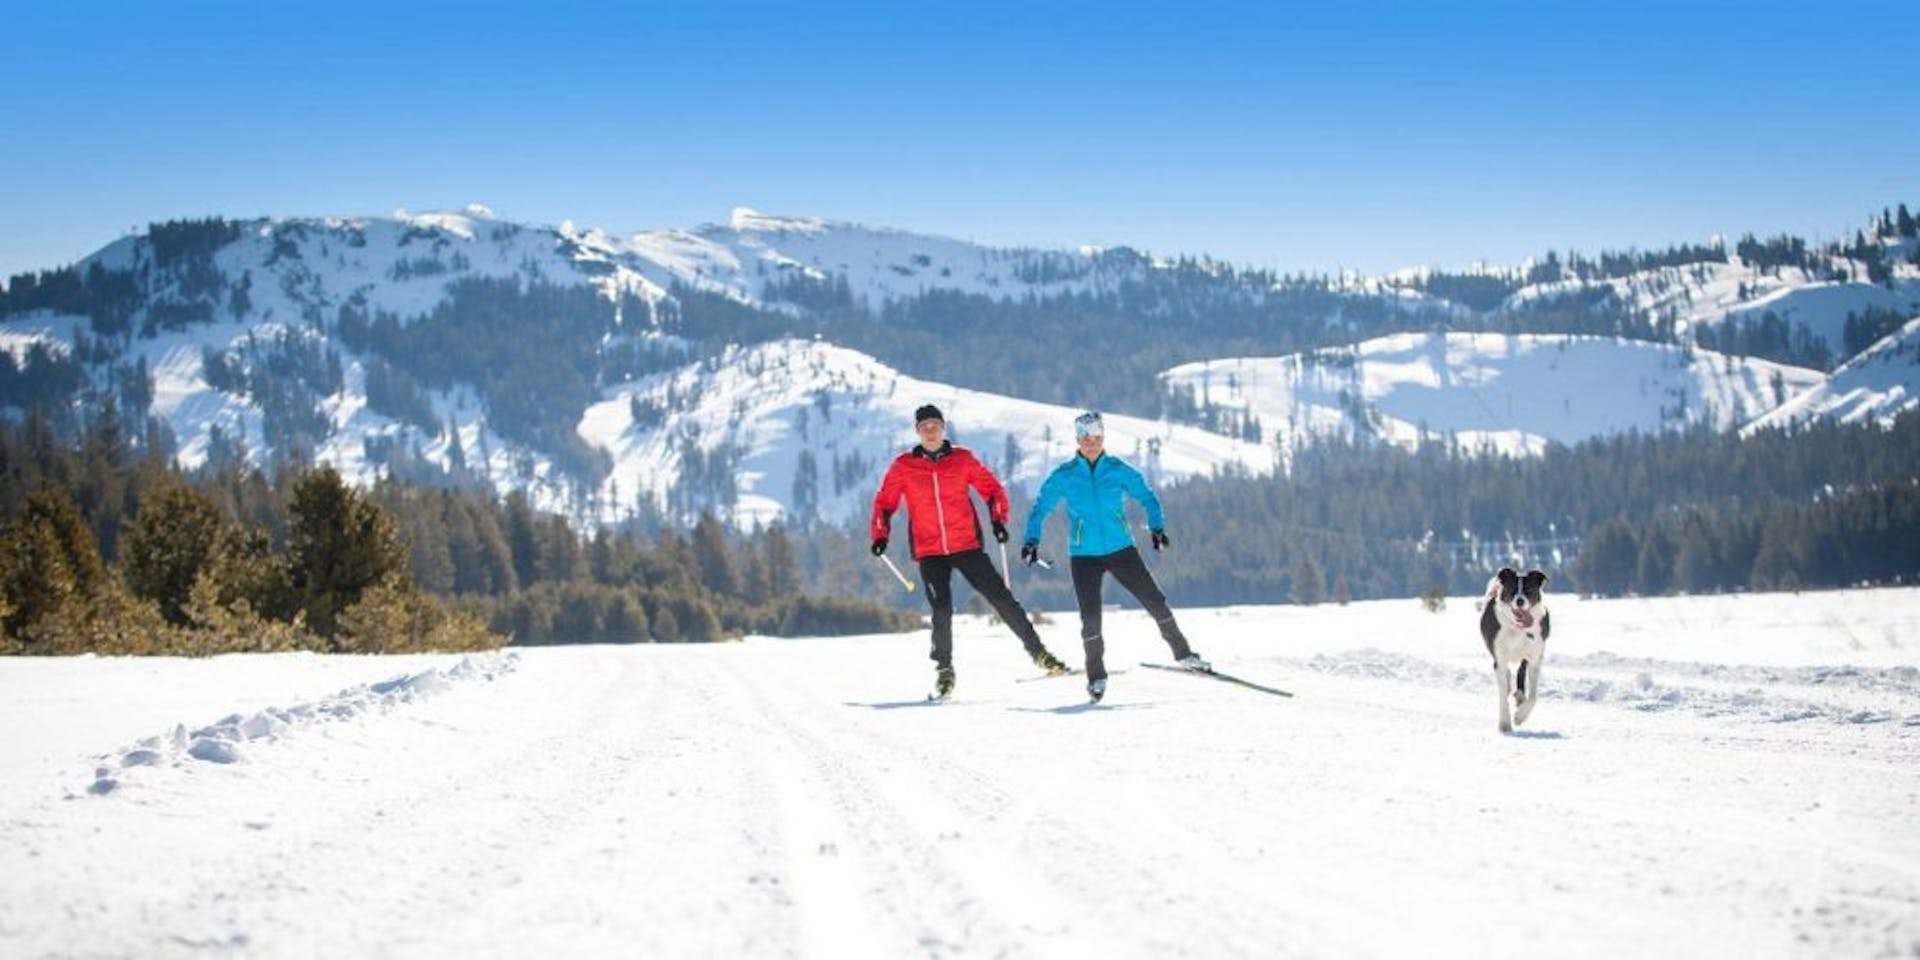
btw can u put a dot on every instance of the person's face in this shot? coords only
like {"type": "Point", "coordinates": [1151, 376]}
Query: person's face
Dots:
{"type": "Point", "coordinates": [1091, 445]}
{"type": "Point", "coordinates": [931, 431]}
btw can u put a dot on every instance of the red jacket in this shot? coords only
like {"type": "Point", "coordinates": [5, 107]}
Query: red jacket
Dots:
{"type": "Point", "coordinates": [939, 512]}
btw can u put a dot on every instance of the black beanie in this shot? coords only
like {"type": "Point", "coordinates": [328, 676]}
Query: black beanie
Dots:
{"type": "Point", "coordinates": [928, 412]}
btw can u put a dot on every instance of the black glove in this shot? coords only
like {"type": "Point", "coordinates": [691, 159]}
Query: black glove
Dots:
{"type": "Point", "coordinates": [999, 532]}
{"type": "Point", "coordinates": [1160, 541]}
{"type": "Point", "coordinates": [879, 545]}
{"type": "Point", "coordinates": [1029, 553]}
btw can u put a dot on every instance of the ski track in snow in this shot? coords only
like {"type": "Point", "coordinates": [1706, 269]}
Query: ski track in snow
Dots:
{"type": "Point", "coordinates": [1705, 796]}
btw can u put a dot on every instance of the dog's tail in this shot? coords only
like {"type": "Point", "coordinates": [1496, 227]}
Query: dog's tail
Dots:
{"type": "Point", "coordinates": [1493, 590]}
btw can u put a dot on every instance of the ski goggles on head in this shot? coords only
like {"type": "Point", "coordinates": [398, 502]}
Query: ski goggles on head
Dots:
{"type": "Point", "coordinates": [1088, 425]}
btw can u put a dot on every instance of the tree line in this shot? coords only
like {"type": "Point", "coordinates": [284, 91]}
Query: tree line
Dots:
{"type": "Point", "coordinates": [1823, 506]}
{"type": "Point", "coordinates": [106, 546]}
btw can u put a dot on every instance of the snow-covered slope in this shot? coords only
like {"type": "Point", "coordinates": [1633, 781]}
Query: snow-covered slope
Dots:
{"type": "Point", "coordinates": [1822, 307]}
{"type": "Point", "coordinates": [754, 251]}
{"type": "Point", "coordinates": [183, 292]}
{"type": "Point", "coordinates": [1878, 385]}
{"type": "Point", "coordinates": [1710, 295]}
{"type": "Point", "coordinates": [1508, 393]}
{"type": "Point", "coordinates": [751, 414]}
{"type": "Point", "coordinates": [1715, 777]}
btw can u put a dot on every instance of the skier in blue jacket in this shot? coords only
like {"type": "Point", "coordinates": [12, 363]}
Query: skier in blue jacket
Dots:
{"type": "Point", "coordinates": [1092, 485]}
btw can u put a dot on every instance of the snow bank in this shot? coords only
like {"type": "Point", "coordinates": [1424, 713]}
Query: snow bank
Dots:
{"type": "Point", "coordinates": [228, 739]}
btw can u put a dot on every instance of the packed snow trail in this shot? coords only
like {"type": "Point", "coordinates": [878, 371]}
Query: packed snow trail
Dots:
{"type": "Point", "coordinates": [1746, 790]}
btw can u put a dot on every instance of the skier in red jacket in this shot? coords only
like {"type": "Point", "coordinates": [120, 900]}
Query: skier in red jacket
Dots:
{"type": "Point", "coordinates": [934, 477]}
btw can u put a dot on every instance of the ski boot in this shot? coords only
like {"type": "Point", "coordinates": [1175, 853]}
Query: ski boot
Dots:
{"type": "Point", "coordinates": [942, 683]}
{"type": "Point", "coordinates": [1096, 689]}
{"type": "Point", "coordinates": [1053, 665]}
{"type": "Point", "coordinates": [1192, 661]}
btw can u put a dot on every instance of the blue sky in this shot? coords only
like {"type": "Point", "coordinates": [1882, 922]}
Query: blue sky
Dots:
{"type": "Point", "coordinates": [1362, 135]}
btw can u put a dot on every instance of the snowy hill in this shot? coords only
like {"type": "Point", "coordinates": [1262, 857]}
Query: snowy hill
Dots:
{"type": "Point", "coordinates": [1508, 393]}
{"type": "Point", "coordinates": [1878, 385]}
{"type": "Point", "coordinates": [1711, 296]}
{"type": "Point", "coordinates": [753, 419]}
{"type": "Point", "coordinates": [331, 335]}
{"type": "Point", "coordinates": [1715, 776]}
{"type": "Point", "coordinates": [753, 254]}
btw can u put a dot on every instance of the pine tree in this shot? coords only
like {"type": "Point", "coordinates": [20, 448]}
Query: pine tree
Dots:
{"type": "Point", "coordinates": [102, 490]}
{"type": "Point", "coordinates": [1309, 584]}
{"type": "Point", "coordinates": [783, 568]}
{"type": "Point", "coordinates": [1653, 567]}
{"type": "Point", "coordinates": [601, 561]}
{"type": "Point", "coordinates": [755, 584]}
{"type": "Point", "coordinates": [666, 626]}
{"type": "Point", "coordinates": [626, 620]}
{"type": "Point", "coordinates": [697, 619]}
{"type": "Point", "coordinates": [560, 559]}
{"type": "Point", "coordinates": [244, 599]}
{"type": "Point", "coordinates": [1605, 564]}
{"type": "Point", "coordinates": [523, 539]}
{"type": "Point", "coordinates": [171, 542]}
{"type": "Point", "coordinates": [339, 544]}
{"type": "Point", "coordinates": [430, 547]}
{"type": "Point", "coordinates": [711, 555]}
{"type": "Point", "coordinates": [35, 580]}
{"type": "Point", "coordinates": [1775, 562]}
{"type": "Point", "coordinates": [78, 550]}
{"type": "Point", "coordinates": [392, 617]}
{"type": "Point", "coordinates": [1696, 562]}
{"type": "Point", "coordinates": [806, 487]}
{"type": "Point", "coordinates": [456, 452]}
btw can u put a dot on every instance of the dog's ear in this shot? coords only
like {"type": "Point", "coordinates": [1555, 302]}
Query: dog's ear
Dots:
{"type": "Point", "coordinates": [1536, 579]}
{"type": "Point", "coordinates": [1507, 575]}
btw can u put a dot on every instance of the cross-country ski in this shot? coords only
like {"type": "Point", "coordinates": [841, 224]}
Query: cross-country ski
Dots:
{"type": "Point", "coordinates": [1216, 674]}
{"type": "Point", "coordinates": [1076, 672]}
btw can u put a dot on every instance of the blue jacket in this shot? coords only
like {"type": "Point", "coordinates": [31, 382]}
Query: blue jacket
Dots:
{"type": "Point", "coordinates": [1096, 515]}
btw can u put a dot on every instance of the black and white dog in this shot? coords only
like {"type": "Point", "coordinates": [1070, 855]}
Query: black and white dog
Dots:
{"type": "Point", "coordinates": [1514, 622]}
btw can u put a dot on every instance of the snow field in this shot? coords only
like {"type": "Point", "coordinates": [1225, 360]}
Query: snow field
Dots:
{"type": "Point", "coordinates": [1725, 776]}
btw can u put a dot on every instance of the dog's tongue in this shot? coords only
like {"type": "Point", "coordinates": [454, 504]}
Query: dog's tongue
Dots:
{"type": "Point", "coordinates": [1523, 616]}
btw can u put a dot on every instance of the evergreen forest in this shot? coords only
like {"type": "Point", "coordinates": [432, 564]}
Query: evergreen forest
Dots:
{"type": "Point", "coordinates": [106, 547]}
{"type": "Point", "coordinates": [1824, 506]}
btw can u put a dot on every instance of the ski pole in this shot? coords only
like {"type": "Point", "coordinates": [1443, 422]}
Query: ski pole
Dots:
{"type": "Point", "coordinates": [896, 572]}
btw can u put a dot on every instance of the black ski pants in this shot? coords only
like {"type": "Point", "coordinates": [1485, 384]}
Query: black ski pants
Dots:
{"type": "Point", "coordinates": [936, 574]}
{"type": "Point", "coordinates": [1127, 567]}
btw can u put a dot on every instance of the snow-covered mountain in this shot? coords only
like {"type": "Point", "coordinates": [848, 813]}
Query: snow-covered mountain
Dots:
{"type": "Point", "coordinates": [1879, 384]}
{"type": "Point", "coordinates": [804, 426]}
{"type": "Point", "coordinates": [754, 256]}
{"type": "Point", "coordinates": [1711, 296]}
{"type": "Point", "coordinates": [247, 337]}
{"type": "Point", "coordinates": [1509, 393]}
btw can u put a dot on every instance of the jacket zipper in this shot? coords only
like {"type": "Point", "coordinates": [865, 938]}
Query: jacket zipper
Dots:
{"type": "Point", "coordinates": [940, 513]}
{"type": "Point", "coordinates": [1093, 486]}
